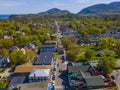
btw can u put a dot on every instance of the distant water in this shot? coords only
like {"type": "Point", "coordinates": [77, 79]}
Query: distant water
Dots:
{"type": "Point", "coordinates": [5, 16]}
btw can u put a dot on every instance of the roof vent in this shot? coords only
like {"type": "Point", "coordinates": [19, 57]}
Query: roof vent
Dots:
{"type": "Point", "coordinates": [45, 56]}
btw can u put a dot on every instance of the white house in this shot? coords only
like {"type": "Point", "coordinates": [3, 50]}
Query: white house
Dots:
{"type": "Point", "coordinates": [38, 75]}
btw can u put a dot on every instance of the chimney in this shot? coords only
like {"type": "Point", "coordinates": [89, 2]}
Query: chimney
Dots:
{"type": "Point", "coordinates": [34, 77]}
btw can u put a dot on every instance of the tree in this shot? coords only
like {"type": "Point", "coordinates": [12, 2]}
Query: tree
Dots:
{"type": "Point", "coordinates": [103, 43]}
{"type": "Point", "coordinates": [71, 55]}
{"type": "Point", "coordinates": [17, 57]}
{"type": "Point", "coordinates": [56, 55]}
{"type": "Point", "coordinates": [30, 54]}
{"type": "Point", "coordinates": [117, 48]}
{"type": "Point", "coordinates": [89, 54]}
{"type": "Point", "coordinates": [107, 64]}
{"type": "Point", "coordinates": [1, 33]}
{"type": "Point", "coordinates": [2, 83]}
{"type": "Point", "coordinates": [4, 52]}
{"type": "Point", "coordinates": [7, 43]}
{"type": "Point", "coordinates": [67, 43]}
{"type": "Point", "coordinates": [104, 29]}
{"type": "Point", "coordinates": [73, 25]}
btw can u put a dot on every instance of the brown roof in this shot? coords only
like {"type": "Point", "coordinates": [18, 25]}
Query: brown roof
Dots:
{"type": "Point", "coordinates": [50, 42]}
{"type": "Point", "coordinates": [28, 67]}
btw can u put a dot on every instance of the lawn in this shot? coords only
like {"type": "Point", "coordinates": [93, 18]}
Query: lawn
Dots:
{"type": "Point", "coordinates": [82, 49]}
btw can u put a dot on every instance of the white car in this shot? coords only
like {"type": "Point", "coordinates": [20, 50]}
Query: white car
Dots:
{"type": "Point", "coordinates": [53, 83]}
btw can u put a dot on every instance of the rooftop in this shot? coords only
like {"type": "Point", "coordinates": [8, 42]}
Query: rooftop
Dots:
{"type": "Point", "coordinates": [17, 80]}
{"type": "Point", "coordinates": [94, 81]}
{"type": "Point", "coordinates": [40, 73]}
{"type": "Point", "coordinates": [81, 76]}
{"type": "Point", "coordinates": [28, 67]}
{"type": "Point", "coordinates": [33, 86]}
{"type": "Point", "coordinates": [45, 58]}
{"type": "Point", "coordinates": [50, 42]}
{"type": "Point", "coordinates": [48, 46]}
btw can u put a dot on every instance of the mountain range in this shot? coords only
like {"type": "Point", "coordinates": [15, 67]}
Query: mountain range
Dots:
{"type": "Point", "coordinates": [54, 11]}
{"type": "Point", "coordinates": [111, 8]}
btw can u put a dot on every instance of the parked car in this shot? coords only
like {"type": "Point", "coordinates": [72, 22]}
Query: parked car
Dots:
{"type": "Point", "coordinates": [53, 78]}
{"type": "Point", "coordinates": [113, 77]}
{"type": "Point", "coordinates": [63, 61]}
{"type": "Point", "coordinates": [63, 57]}
{"type": "Point", "coordinates": [55, 63]}
{"type": "Point", "coordinates": [53, 83]}
{"type": "Point", "coordinates": [54, 69]}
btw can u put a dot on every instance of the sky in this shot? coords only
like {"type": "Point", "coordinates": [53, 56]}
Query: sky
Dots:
{"type": "Point", "coordinates": [36, 6]}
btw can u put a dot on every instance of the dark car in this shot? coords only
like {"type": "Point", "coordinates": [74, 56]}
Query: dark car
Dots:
{"type": "Point", "coordinates": [54, 69]}
{"type": "Point", "coordinates": [113, 77]}
{"type": "Point", "coordinates": [63, 58]}
{"type": "Point", "coordinates": [63, 61]}
{"type": "Point", "coordinates": [58, 64]}
{"type": "Point", "coordinates": [53, 78]}
{"type": "Point", "coordinates": [61, 51]}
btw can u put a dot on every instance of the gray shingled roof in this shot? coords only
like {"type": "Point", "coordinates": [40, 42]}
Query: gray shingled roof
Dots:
{"type": "Point", "coordinates": [94, 81]}
{"type": "Point", "coordinates": [45, 58]}
{"type": "Point", "coordinates": [83, 73]}
{"type": "Point", "coordinates": [17, 80]}
{"type": "Point", "coordinates": [48, 46]}
{"type": "Point", "coordinates": [78, 69]}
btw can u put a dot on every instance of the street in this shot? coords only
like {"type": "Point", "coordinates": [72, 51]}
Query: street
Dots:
{"type": "Point", "coordinates": [61, 67]}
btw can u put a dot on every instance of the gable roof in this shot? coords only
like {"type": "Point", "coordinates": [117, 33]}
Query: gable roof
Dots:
{"type": "Point", "coordinates": [81, 76]}
{"type": "Point", "coordinates": [40, 73]}
{"type": "Point", "coordinates": [28, 67]}
{"type": "Point", "coordinates": [83, 70]}
{"type": "Point", "coordinates": [45, 58]}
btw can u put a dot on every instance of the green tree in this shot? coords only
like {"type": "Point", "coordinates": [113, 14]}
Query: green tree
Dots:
{"type": "Point", "coordinates": [30, 54]}
{"type": "Point", "coordinates": [117, 48]}
{"type": "Point", "coordinates": [103, 43]}
{"type": "Point", "coordinates": [56, 55]}
{"type": "Point", "coordinates": [2, 83]}
{"type": "Point", "coordinates": [89, 54]}
{"type": "Point", "coordinates": [71, 55]}
{"type": "Point", "coordinates": [107, 64]}
{"type": "Point", "coordinates": [1, 33]}
{"type": "Point", "coordinates": [73, 25]}
{"type": "Point", "coordinates": [7, 43]}
{"type": "Point", "coordinates": [17, 57]}
{"type": "Point", "coordinates": [4, 52]}
{"type": "Point", "coordinates": [67, 43]}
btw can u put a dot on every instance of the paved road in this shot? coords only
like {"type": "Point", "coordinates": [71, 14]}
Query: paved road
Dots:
{"type": "Point", "coordinates": [60, 66]}
{"type": "Point", "coordinates": [58, 83]}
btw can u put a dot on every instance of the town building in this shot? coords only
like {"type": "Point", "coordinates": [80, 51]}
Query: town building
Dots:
{"type": "Point", "coordinates": [45, 58]}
